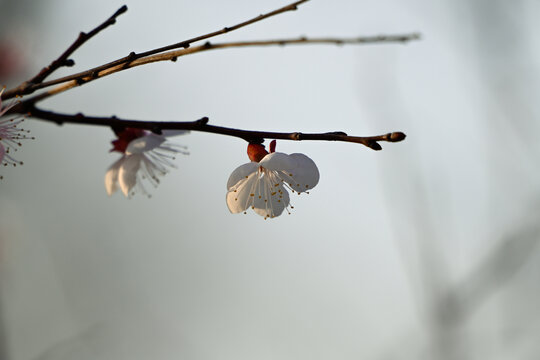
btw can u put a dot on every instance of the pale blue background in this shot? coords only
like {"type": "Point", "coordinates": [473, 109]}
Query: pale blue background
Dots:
{"type": "Point", "coordinates": [376, 263]}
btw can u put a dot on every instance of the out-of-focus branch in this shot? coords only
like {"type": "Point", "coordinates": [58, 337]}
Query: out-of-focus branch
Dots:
{"type": "Point", "coordinates": [36, 83]}
{"type": "Point", "coordinates": [201, 125]}
{"type": "Point", "coordinates": [503, 261]}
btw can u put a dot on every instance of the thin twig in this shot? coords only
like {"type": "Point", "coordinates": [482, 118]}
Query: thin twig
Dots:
{"type": "Point", "coordinates": [93, 74]}
{"type": "Point", "coordinates": [81, 39]}
{"type": "Point", "coordinates": [201, 125]}
{"type": "Point", "coordinates": [31, 86]}
{"type": "Point", "coordinates": [186, 43]}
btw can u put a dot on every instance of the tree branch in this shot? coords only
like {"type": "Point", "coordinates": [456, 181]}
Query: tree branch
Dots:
{"type": "Point", "coordinates": [171, 53]}
{"type": "Point", "coordinates": [33, 85]}
{"type": "Point", "coordinates": [201, 125]}
{"type": "Point", "coordinates": [74, 80]}
{"type": "Point", "coordinates": [83, 37]}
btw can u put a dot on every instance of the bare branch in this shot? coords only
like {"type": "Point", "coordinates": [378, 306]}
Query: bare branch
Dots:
{"type": "Point", "coordinates": [186, 43]}
{"type": "Point", "coordinates": [202, 126]}
{"type": "Point", "coordinates": [93, 74]}
{"type": "Point", "coordinates": [33, 85]}
{"type": "Point", "coordinates": [83, 37]}
{"type": "Point", "coordinates": [171, 53]}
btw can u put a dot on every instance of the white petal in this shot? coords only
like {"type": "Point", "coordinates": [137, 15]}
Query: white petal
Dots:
{"type": "Point", "coordinates": [169, 133]}
{"type": "Point", "coordinates": [303, 176]}
{"type": "Point", "coordinates": [277, 161]}
{"type": "Point", "coordinates": [111, 176]}
{"type": "Point", "coordinates": [145, 143]}
{"type": "Point", "coordinates": [239, 197]}
{"type": "Point", "coordinates": [240, 173]}
{"type": "Point", "coordinates": [127, 176]}
{"type": "Point", "coordinates": [270, 200]}
{"type": "Point", "coordinates": [2, 151]}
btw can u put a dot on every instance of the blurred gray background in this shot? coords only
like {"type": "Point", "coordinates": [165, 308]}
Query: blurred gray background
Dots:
{"type": "Point", "coordinates": [425, 250]}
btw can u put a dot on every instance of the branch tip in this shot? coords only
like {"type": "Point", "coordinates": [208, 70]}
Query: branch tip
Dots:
{"type": "Point", "coordinates": [397, 136]}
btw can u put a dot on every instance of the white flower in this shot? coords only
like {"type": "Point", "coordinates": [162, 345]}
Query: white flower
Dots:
{"type": "Point", "coordinates": [10, 134]}
{"type": "Point", "coordinates": [146, 156]}
{"type": "Point", "coordinates": [262, 184]}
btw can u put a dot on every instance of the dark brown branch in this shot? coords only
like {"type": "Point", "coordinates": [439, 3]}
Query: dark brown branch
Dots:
{"type": "Point", "coordinates": [83, 37]}
{"type": "Point", "coordinates": [202, 126]}
{"type": "Point", "coordinates": [31, 86]}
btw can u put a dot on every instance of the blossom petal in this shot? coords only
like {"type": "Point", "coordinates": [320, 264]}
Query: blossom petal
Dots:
{"type": "Point", "coordinates": [111, 176]}
{"type": "Point", "coordinates": [270, 200]}
{"type": "Point", "coordinates": [241, 172]}
{"type": "Point", "coordinates": [1, 91]}
{"type": "Point", "coordinates": [127, 175]}
{"type": "Point", "coordinates": [3, 110]}
{"type": "Point", "coordinates": [239, 196]}
{"type": "Point", "coordinates": [2, 152]}
{"type": "Point", "coordinates": [278, 161]}
{"type": "Point", "coordinates": [144, 143]}
{"type": "Point", "coordinates": [261, 191]}
{"type": "Point", "coordinates": [303, 176]}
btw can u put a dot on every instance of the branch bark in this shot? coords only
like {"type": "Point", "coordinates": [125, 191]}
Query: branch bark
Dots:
{"type": "Point", "coordinates": [36, 83]}
{"type": "Point", "coordinates": [201, 125]}
{"type": "Point", "coordinates": [63, 59]}
{"type": "Point", "coordinates": [84, 77]}
{"type": "Point", "coordinates": [171, 53]}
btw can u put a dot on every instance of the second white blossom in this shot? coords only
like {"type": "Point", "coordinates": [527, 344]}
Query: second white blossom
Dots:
{"type": "Point", "coordinates": [145, 156]}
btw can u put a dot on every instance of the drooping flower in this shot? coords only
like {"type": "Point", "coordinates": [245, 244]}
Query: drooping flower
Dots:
{"type": "Point", "coordinates": [262, 183]}
{"type": "Point", "coordinates": [145, 156]}
{"type": "Point", "coordinates": [10, 134]}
